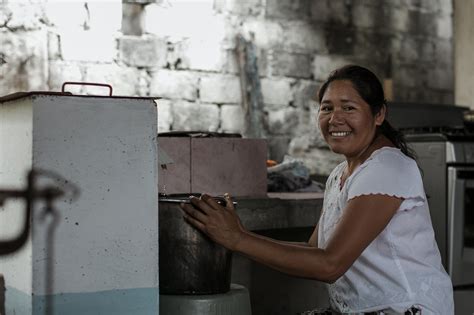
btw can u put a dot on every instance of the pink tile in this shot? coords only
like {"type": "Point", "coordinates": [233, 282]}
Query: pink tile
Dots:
{"type": "Point", "coordinates": [233, 165]}
{"type": "Point", "coordinates": [176, 178]}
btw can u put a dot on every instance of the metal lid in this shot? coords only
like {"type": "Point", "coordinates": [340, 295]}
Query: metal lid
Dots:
{"type": "Point", "coordinates": [199, 134]}
{"type": "Point", "coordinates": [184, 198]}
{"type": "Point", "coordinates": [19, 95]}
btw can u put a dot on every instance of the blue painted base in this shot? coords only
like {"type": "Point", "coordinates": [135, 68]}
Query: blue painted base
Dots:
{"type": "Point", "coordinates": [143, 301]}
{"type": "Point", "coordinates": [17, 302]}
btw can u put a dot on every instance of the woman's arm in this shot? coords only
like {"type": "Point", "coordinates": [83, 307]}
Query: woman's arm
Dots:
{"type": "Point", "coordinates": [364, 218]}
{"type": "Point", "coordinates": [313, 240]}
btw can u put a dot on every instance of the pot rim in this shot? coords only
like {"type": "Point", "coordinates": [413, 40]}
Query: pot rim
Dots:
{"type": "Point", "coordinates": [184, 198]}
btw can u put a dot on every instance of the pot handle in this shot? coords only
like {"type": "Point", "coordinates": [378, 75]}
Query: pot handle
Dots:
{"type": "Point", "coordinates": [87, 83]}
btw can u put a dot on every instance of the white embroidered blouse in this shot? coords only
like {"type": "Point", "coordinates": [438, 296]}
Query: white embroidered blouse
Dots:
{"type": "Point", "coordinates": [402, 266]}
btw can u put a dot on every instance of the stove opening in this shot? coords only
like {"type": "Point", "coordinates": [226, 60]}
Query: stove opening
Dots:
{"type": "Point", "coordinates": [469, 218]}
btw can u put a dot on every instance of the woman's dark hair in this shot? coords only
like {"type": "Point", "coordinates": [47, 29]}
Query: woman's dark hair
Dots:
{"type": "Point", "coordinates": [366, 83]}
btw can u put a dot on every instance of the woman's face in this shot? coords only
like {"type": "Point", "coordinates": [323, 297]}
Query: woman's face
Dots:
{"type": "Point", "coordinates": [346, 121]}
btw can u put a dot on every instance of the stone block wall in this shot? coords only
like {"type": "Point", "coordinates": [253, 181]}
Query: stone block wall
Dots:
{"type": "Point", "coordinates": [184, 52]}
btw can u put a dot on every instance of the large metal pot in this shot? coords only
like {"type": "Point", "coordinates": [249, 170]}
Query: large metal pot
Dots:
{"type": "Point", "coordinates": [189, 262]}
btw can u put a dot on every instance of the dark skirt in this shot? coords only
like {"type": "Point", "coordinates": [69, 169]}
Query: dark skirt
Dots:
{"type": "Point", "coordinates": [325, 311]}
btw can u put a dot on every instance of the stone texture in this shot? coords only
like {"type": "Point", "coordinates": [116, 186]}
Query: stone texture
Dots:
{"type": "Point", "coordinates": [323, 65]}
{"type": "Point", "coordinates": [311, 139]}
{"type": "Point", "coordinates": [290, 65]}
{"type": "Point", "coordinates": [263, 62]}
{"type": "Point", "coordinates": [59, 15]}
{"type": "Point", "coordinates": [305, 95]}
{"type": "Point", "coordinates": [305, 100]}
{"type": "Point", "coordinates": [232, 119]}
{"type": "Point", "coordinates": [276, 92]}
{"type": "Point", "coordinates": [407, 75]}
{"type": "Point", "coordinates": [283, 121]}
{"type": "Point", "coordinates": [267, 33]}
{"type": "Point", "coordinates": [174, 84]}
{"type": "Point", "coordinates": [192, 66]}
{"type": "Point", "coordinates": [5, 14]}
{"type": "Point", "coordinates": [330, 11]}
{"type": "Point", "coordinates": [318, 158]}
{"type": "Point", "coordinates": [165, 115]}
{"type": "Point", "coordinates": [410, 49]}
{"type": "Point", "coordinates": [441, 78]}
{"type": "Point", "coordinates": [340, 40]}
{"type": "Point", "coordinates": [221, 89]}
{"type": "Point", "coordinates": [307, 132]}
{"type": "Point", "coordinates": [444, 52]}
{"type": "Point", "coordinates": [103, 16]}
{"type": "Point", "coordinates": [444, 27]}
{"type": "Point", "coordinates": [62, 71]}
{"type": "Point", "coordinates": [143, 84]}
{"type": "Point", "coordinates": [25, 57]}
{"type": "Point", "coordinates": [185, 19]}
{"type": "Point", "coordinates": [93, 46]}
{"type": "Point", "coordinates": [297, 9]}
{"type": "Point", "coordinates": [54, 46]}
{"type": "Point", "coordinates": [303, 37]}
{"type": "Point", "coordinates": [202, 55]}
{"type": "Point", "coordinates": [422, 23]}
{"type": "Point", "coordinates": [189, 116]}
{"type": "Point", "coordinates": [320, 162]}
{"type": "Point", "coordinates": [133, 18]}
{"type": "Point", "coordinates": [428, 50]}
{"type": "Point", "coordinates": [372, 45]}
{"type": "Point", "coordinates": [22, 16]}
{"type": "Point", "coordinates": [365, 16]}
{"type": "Point", "coordinates": [399, 19]}
{"type": "Point", "coordinates": [197, 54]}
{"type": "Point", "coordinates": [238, 7]}
{"type": "Point", "coordinates": [445, 7]}
{"type": "Point", "coordinates": [423, 5]}
{"type": "Point", "coordinates": [147, 51]}
{"type": "Point", "coordinates": [123, 80]}
{"type": "Point", "coordinates": [308, 124]}
{"type": "Point", "coordinates": [144, 1]}
{"type": "Point", "coordinates": [232, 65]}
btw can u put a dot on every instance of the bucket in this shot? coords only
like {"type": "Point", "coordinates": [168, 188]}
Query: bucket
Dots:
{"type": "Point", "coordinates": [189, 262]}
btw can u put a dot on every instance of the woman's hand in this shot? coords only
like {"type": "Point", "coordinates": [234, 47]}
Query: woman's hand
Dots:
{"type": "Point", "coordinates": [220, 223]}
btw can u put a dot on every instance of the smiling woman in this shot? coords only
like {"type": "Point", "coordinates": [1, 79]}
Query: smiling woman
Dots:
{"type": "Point", "coordinates": [374, 244]}
{"type": "Point", "coordinates": [346, 121]}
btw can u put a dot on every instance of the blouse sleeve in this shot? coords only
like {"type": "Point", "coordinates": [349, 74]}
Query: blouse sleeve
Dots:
{"type": "Point", "coordinates": [389, 174]}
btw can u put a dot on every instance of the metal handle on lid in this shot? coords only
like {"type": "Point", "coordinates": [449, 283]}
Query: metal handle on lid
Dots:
{"type": "Point", "coordinates": [87, 83]}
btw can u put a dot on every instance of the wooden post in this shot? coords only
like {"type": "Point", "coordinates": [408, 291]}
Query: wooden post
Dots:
{"type": "Point", "coordinates": [252, 99]}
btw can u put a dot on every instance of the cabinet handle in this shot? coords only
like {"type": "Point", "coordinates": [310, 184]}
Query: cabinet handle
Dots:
{"type": "Point", "coordinates": [87, 83]}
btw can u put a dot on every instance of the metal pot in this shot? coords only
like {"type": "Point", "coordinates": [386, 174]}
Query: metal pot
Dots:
{"type": "Point", "coordinates": [189, 262]}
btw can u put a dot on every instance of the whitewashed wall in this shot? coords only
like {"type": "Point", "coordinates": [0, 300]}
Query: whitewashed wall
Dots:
{"type": "Point", "coordinates": [183, 51]}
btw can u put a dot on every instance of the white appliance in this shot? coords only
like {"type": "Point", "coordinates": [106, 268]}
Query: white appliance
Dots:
{"type": "Point", "coordinates": [444, 146]}
{"type": "Point", "coordinates": [100, 254]}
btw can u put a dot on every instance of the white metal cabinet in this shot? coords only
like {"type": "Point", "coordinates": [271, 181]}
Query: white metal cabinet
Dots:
{"type": "Point", "coordinates": [106, 242]}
